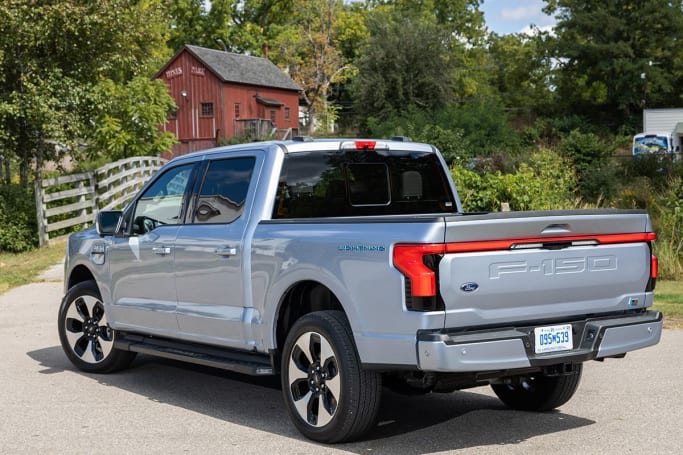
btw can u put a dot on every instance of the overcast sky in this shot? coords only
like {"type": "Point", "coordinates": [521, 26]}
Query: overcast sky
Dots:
{"type": "Point", "coordinates": [509, 16]}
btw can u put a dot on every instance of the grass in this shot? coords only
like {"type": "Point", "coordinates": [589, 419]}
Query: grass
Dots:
{"type": "Point", "coordinates": [24, 268]}
{"type": "Point", "coordinates": [669, 300]}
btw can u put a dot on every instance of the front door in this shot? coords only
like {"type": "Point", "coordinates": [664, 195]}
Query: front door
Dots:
{"type": "Point", "coordinates": [142, 276]}
{"type": "Point", "coordinates": [210, 255]}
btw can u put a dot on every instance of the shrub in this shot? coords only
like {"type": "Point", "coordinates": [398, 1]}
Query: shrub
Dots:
{"type": "Point", "coordinates": [545, 181]}
{"type": "Point", "coordinates": [667, 218]}
{"type": "Point", "coordinates": [597, 178]}
{"type": "Point", "coordinates": [461, 132]}
{"type": "Point", "coordinates": [18, 227]}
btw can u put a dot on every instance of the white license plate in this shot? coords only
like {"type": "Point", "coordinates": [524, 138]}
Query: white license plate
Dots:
{"type": "Point", "coordinates": [553, 338]}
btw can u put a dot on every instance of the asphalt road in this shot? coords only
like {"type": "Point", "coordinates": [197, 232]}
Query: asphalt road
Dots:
{"type": "Point", "coordinates": [633, 405]}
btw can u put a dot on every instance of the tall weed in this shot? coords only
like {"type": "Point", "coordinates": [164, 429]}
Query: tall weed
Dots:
{"type": "Point", "coordinates": [667, 217]}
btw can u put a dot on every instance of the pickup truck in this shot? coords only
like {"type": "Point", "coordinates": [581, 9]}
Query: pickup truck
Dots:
{"type": "Point", "coordinates": [345, 266]}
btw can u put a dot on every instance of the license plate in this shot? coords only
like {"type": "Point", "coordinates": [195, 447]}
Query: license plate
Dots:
{"type": "Point", "coordinates": [553, 338]}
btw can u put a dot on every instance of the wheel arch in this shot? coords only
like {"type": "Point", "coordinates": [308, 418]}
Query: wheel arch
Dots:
{"type": "Point", "coordinates": [300, 299]}
{"type": "Point", "coordinates": [79, 274]}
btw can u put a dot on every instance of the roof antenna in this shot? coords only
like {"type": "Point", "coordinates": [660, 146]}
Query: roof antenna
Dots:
{"type": "Point", "coordinates": [222, 43]}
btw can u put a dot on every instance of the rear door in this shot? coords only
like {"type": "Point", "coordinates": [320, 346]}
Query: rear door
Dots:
{"type": "Point", "coordinates": [533, 266]}
{"type": "Point", "coordinates": [210, 253]}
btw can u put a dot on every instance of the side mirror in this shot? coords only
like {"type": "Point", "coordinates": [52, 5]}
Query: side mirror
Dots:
{"type": "Point", "coordinates": [107, 221]}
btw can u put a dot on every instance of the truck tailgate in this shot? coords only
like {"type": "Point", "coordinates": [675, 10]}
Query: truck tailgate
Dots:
{"type": "Point", "coordinates": [541, 266]}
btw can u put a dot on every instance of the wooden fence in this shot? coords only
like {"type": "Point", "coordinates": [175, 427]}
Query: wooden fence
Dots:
{"type": "Point", "coordinates": [71, 200]}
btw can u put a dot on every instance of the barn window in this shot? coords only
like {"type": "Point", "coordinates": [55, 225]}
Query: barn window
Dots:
{"type": "Point", "coordinates": [207, 109]}
{"type": "Point", "coordinates": [272, 116]}
{"type": "Point", "coordinates": [286, 113]}
{"type": "Point", "coordinates": [237, 110]}
{"type": "Point", "coordinates": [173, 114]}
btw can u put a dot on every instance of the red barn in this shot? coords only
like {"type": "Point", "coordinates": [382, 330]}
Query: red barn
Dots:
{"type": "Point", "coordinates": [221, 95]}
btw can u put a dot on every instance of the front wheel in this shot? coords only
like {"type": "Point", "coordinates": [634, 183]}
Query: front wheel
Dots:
{"type": "Point", "coordinates": [84, 331]}
{"type": "Point", "coordinates": [539, 392]}
{"type": "Point", "coordinates": [330, 398]}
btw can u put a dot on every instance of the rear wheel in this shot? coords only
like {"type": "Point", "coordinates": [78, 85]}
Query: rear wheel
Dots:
{"type": "Point", "coordinates": [539, 392]}
{"type": "Point", "coordinates": [84, 332]}
{"type": "Point", "coordinates": [330, 398]}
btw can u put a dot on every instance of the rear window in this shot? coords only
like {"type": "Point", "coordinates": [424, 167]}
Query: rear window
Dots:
{"type": "Point", "coordinates": [354, 183]}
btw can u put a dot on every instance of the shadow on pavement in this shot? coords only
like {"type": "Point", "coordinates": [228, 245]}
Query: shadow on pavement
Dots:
{"type": "Point", "coordinates": [407, 425]}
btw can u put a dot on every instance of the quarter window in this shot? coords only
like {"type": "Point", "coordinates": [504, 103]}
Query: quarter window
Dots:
{"type": "Point", "coordinates": [224, 190]}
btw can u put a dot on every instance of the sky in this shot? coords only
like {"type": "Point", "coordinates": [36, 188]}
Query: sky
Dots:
{"type": "Point", "coordinates": [510, 16]}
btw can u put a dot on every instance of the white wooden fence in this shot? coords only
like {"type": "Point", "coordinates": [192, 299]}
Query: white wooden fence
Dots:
{"type": "Point", "coordinates": [72, 200]}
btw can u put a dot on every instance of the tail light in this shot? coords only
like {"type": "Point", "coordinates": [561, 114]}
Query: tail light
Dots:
{"type": "Point", "coordinates": [654, 269]}
{"type": "Point", "coordinates": [418, 263]}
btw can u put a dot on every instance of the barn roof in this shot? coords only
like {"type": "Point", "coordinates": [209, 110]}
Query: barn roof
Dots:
{"type": "Point", "coordinates": [239, 68]}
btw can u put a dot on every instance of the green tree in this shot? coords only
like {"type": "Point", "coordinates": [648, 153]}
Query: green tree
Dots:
{"type": "Point", "coordinates": [129, 117]}
{"type": "Point", "coordinates": [52, 54]}
{"type": "Point", "coordinates": [308, 46]}
{"type": "Point", "coordinates": [618, 56]}
{"type": "Point", "coordinates": [405, 62]}
{"type": "Point", "coordinates": [521, 71]}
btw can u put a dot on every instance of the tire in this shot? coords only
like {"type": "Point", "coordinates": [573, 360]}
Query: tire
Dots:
{"type": "Point", "coordinates": [539, 393]}
{"type": "Point", "coordinates": [86, 337]}
{"type": "Point", "coordinates": [329, 397]}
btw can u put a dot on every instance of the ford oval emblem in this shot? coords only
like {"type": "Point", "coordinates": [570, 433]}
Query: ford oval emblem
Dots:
{"type": "Point", "coordinates": [469, 287]}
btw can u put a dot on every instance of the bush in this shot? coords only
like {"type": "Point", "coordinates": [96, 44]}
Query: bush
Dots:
{"type": "Point", "coordinates": [667, 218]}
{"type": "Point", "coordinates": [18, 227]}
{"type": "Point", "coordinates": [461, 132]}
{"type": "Point", "coordinates": [597, 175]}
{"type": "Point", "coordinates": [545, 181]}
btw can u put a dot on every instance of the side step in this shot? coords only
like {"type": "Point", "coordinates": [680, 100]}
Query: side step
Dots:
{"type": "Point", "coordinates": [202, 354]}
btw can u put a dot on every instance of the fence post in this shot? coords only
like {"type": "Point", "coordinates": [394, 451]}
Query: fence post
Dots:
{"type": "Point", "coordinates": [95, 196]}
{"type": "Point", "coordinates": [40, 213]}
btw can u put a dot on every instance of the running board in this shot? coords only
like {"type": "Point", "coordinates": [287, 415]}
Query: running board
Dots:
{"type": "Point", "coordinates": [226, 359]}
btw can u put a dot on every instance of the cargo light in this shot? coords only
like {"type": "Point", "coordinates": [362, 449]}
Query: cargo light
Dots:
{"type": "Point", "coordinates": [364, 145]}
{"type": "Point", "coordinates": [409, 260]}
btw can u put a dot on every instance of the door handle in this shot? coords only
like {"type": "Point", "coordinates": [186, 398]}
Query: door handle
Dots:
{"type": "Point", "coordinates": [162, 250]}
{"type": "Point", "coordinates": [226, 251]}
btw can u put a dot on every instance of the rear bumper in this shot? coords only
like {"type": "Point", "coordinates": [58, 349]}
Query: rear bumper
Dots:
{"type": "Point", "coordinates": [513, 347]}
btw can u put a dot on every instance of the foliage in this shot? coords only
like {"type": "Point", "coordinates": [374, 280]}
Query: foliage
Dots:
{"type": "Point", "coordinates": [522, 69]}
{"type": "Point", "coordinates": [129, 117]}
{"type": "Point", "coordinates": [667, 216]}
{"type": "Point", "coordinates": [617, 57]}
{"type": "Point", "coordinates": [18, 230]}
{"type": "Point", "coordinates": [52, 54]}
{"type": "Point", "coordinates": [405, 62]}
{"type": "Point", "coordinates": [460, 131]}
{"type": "Point", "coordinates": [544, 182]}
{"type": "Point", "coordinates": [307, 48]}
{"type": "Point", "coordinates": [591, 158]}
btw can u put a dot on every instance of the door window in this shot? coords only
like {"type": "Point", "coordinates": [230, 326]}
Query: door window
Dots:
{"type": "Point", "coordinates": [162, 202]}
{"type": "Point", "coordinates": [224, 190]}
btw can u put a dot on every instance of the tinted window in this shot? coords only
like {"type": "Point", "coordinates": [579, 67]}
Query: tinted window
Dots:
{"type": "Point", "coordinates": [321, 184]}
{"type": "Point", "coordinates": [162, 202]}
{"type": "Point", "coordinates": [224, 190]}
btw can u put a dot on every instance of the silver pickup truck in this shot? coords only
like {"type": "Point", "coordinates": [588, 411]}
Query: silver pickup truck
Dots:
{"type": "Point", "coordinates": [349, 265]}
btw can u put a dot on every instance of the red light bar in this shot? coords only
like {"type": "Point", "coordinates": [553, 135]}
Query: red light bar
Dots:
{"type": "Point", "coordinates": [365, 145]}
{"type": "Point", "coordinates": [494, 245]}
{"type": "Point", "coordinates": [654, 267]}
